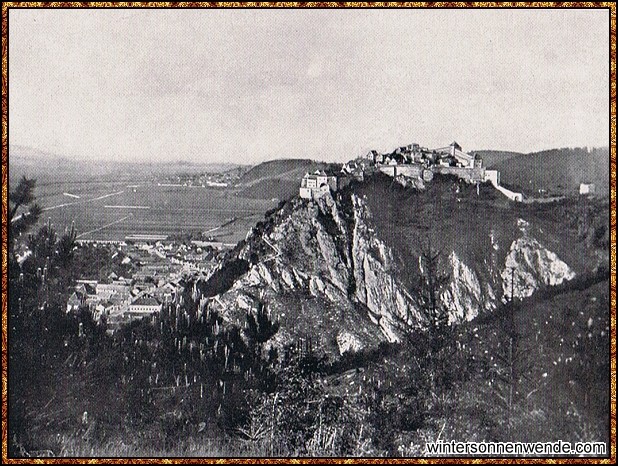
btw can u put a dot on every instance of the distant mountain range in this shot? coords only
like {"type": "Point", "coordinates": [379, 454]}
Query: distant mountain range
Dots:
{"type": "Point", "coordinates": [50, 167]}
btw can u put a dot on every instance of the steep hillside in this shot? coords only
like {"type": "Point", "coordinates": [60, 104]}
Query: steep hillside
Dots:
{"type": "Point", "coordinates": [275, 169]}
{"type": "Point", "coordinates": [491, 157]}
{"type": "Point", "coordinates": [271, 188]}
{"type": "Point", "coordinates": [316, 325]}
{"type": "Point", "coordinates": [345, 270]}
{"type": "Point", "coordinates": [276, 178]}
{"type": "Point", "coordinates": [557, 171]}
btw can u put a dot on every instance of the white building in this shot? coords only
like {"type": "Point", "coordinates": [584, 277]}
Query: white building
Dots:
{"type": "Point", "coordinates": [316, 184]}
{"type": "Point", "coordinates": [145, 305]}
{"type": "Point", "coordinates": [586, 188]}
{"type": "Point", "coordinates": [463, 158]}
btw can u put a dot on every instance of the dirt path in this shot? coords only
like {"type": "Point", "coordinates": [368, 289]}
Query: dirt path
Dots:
{"type": "Point", "coordinates": [104, 226]}
{"type": "Point", "coordinates": [82, 202]}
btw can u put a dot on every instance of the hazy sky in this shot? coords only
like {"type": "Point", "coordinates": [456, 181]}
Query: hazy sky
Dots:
{"type": "Point", "coordinates": [250, 85]}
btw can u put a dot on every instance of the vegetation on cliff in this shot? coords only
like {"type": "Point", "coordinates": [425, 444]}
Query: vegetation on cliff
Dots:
{"type": "Point", "coordinates": [261, 378]}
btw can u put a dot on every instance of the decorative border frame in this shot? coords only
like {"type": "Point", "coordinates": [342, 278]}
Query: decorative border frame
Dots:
{"type": "Point", "coordinates": [612, 144]}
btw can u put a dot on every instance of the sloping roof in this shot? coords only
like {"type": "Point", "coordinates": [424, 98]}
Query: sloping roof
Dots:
{"type": "Point", "coordinates": [74, 299]}
{"type": "Point", "coordinates": [118, 298]}
{"type": "Point", "coordinates": [145, 301]}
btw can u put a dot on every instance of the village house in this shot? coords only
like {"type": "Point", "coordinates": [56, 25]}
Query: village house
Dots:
{"type": "Point", "coordinates": [107, 290]}
{"type": "Point", "coordinates": [354, 169]}
{"type": "Point", "coordinates": [75, 301]}
{"type": "Point", "coordinates": [104, 308]}
{"type": "Point", "coordinates": [375, 157]}
{"type": "Point", "coordinates": [144, 306]}
{"type": "Point", "coordinates": [87, 289]}
{"type": "Point", "coordinates": [91, 293]}
{"type": "Point", "coordinates": [168, 292]}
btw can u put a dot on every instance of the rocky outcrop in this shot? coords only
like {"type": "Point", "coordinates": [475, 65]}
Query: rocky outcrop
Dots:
{"type": "Point", "coordinates": [324, 270]}
{"type": "Point", "coordinates": [376, 286]}
{"type": "Point", "coordinates": [529, 265]}
{"type": "Point", "coordinates": [464, 296]}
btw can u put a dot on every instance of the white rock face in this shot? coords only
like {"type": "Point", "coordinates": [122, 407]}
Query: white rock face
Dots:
{"type": "Point", "coordinates": [253, 277]}
{"type": "Point", "coordinates": [244, 302]}
{"type": "Point", "coordinates": [328, 270]}
{"type": "Point", "coordinates": [331, 259]}
{"type": "Point", "coordinates": [376, 287]}
{"type": "Point", "coordinates": [348, 342]}
{"type": "Point", "coordinates": [463, 296]}
{"type": "Point", "coordinates": [529, 265]}
{"type": "Point", "coordinates": [287, 277]}
{"type": "Point", "coordinates": [316, 286]}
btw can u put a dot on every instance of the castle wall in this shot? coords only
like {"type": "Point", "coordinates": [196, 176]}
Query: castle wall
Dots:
{"type": "Point", "coordinates": [492, 176]}
{"type": "Point", "coordinates": [306, 193]}
{"type": "Point", "coordinates": [512, 195]}
{"type": "Point", "coordinates": [469, 174]}
{"type": "Point", "coordinates": [332, 183]}
{"type": "Point", "coordinates": [314, 193]}
{"type": "Point", "coordinates": [412, 171]}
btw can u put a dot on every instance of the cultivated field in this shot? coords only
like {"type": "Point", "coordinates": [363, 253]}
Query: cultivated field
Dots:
{"type": "Point", "coordinates": [113, 210]}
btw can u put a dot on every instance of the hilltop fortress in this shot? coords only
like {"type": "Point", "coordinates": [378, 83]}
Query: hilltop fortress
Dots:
{"type": "Point", "coordinates": [411, 161]}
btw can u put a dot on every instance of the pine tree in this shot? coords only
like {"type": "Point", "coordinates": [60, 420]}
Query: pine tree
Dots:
{"type": "Point", "coordinates": [431, 284]}
{"type": "Point", "coordinates": [510, 363]}
{"type": "Point", "coordinates": [66, 247]}
{"type": "Point", "coordinates": [22, 198]}
{"type": "Point", "coordinates": [260, 327]}
{"type": "Point", "coordinates": [436, 336]}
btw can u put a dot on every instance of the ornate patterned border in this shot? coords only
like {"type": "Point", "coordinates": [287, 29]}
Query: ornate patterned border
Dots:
{"type": "Point", "coordinates": [5, 17]}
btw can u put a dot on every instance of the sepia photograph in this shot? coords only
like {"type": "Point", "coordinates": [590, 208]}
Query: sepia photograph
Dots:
{"type": "Point", "coordinates": [288, 231]}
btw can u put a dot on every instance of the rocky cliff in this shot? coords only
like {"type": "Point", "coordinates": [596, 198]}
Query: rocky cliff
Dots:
{"type": "Point", "coordinates": [343, 270]}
